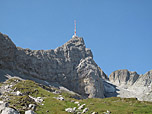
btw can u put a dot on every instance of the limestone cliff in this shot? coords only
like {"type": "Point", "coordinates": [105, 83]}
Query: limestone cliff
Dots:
{"type": "Point", "coordinates": [130, 84]}
{"type": "Point", "coordinates": [123, 77]}
{"type": "Point", "coordinates": [71, 65]}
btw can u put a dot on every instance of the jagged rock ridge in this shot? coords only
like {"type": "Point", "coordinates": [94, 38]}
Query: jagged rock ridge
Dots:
{"type": "Point", "coordinates": [123, 77]}
{"type": "Point", "coordinates": [71, 65]}
{"type": "Point", "coordinates": [130, 84]}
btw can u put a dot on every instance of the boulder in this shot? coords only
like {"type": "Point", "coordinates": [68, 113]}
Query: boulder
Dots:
{"type": "Point", "coordinates": [18, 93]}
{"type": "Point", "coordinates": [37, 100]}
{"type": "Point", "coordinates": [70, 110]}
{"type": "Point", "coordinates": [81, 107]}
{"type": "Point", "coordinates": [59, 98]}
{"type": "Point", "coordinates": [85, 110]}
{"type": "Point", "coordinates": [32, 106]}
{"type": "Point", "coordinates": [30, 112]}
{"type": "Point", "coordinates": [8, 110]}
{"type": "Point", "coordinates": [3, 106]}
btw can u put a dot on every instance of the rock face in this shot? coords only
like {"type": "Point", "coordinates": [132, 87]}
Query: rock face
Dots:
{"type": "Point", "coordinates": [130, 84]}
{"type": "Point", "coordinates": [7, 52]}
{"type": "Point", "coordinates": [4, 109]}
{"type": "Point", "coordinates": [71, 65]}
{"type": "Point", "coordinates": [123, 77]}
{"type": "Point", "coordinates": [8, 110]}
{"type": "Point", "coordinates": [143, 86]}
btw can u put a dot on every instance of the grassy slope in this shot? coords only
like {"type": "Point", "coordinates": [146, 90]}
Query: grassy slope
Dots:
{"type": "Point", "coordinates": [53, 106]}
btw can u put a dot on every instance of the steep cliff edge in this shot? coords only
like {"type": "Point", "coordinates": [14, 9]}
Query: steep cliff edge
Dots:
{"type": "Point", "coordinates": [7, 52]}
{"type": "Point", "coordinates": [71, 65]}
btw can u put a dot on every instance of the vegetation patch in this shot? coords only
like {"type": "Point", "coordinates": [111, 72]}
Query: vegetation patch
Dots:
{"type": "Point", "coordinates": [51, 105]}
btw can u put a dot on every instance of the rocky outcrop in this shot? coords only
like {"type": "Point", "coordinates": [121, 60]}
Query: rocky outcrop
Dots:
{"type": "Point", "coordinates": [4, 109]}
{"type": "Point", "coordinates": [123, 77]}
{"type": "Point", "coordinates": [144, 80]}
{"type": "Point", "coordinates": [130, 84]}
{"type": "Point", "coordinates": [143, 87]}
{"type": "Point", "coordinates": [103, 75]}
{"type": "Point", "coordinates": [90, 78]}
{"type": "Point", "coordinates": [8, 110]}
{"type": "Point", "coordinates": [71, 65]}
{"type": "Point", "coordinates": [7, 52]}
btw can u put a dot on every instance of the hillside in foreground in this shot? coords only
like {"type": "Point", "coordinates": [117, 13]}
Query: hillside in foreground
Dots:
{"type": "Point", "coordinates": [20, 94]}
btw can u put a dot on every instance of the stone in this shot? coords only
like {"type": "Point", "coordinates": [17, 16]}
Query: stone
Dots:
{"type": "Point", "coordinates": [74, 108]}
{"type": "Point", "coordinates": [1, 102]}
{"type": "Point", "coordinates": [108, 112]}
{"type": "Point", "coordinates": [59, 98]}
{"type": "Point", "coordinates": [81, 107]}
{"type": "Point", "coordinates": [70, 110]}
{"type": "Point", "coordinates": [18, 93]}
{"type": "Point", "coordinates": [57, 92]}
{"type": "Point", "coordinates": [37, 100]}
{"type": "Point", "coordinates": [76, 102]}
{"type": "Point", "coordinates": [30, 112]}
{"type": "Point", "coordinates": [3, 105]}
{"type": "Point", "coordinates": [85, 110]}
{"type": "Point", "coordinates": [32, 106]}
{"type": "Point", "coordinates": [8, 110]}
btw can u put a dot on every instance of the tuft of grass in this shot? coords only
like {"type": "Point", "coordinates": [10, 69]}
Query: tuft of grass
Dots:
{"type": "Point", "coordinates": [1, 84]}
{"type": "Point", "coordinates": [21, 102]}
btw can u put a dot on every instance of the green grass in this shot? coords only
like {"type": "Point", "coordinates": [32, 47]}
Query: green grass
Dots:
{"type": "Point", "coordinates": [119, 105]}
{"type": "Point", "coordinates": [115, 105]}
{"type": "Point", "coordinates": [1, 84]}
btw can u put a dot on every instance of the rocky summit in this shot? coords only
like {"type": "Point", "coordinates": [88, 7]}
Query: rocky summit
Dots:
{"type": "Point", "coordinates": [70, 65]}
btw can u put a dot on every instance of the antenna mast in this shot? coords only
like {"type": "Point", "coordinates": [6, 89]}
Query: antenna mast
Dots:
{"type": "Point", "coordinates": [75, 28]}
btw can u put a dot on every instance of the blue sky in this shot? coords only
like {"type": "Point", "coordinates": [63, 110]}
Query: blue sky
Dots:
{"type": "Point", "coordinates": [119, 32]}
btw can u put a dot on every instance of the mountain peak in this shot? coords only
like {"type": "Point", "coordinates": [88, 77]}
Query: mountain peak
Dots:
{"type": "Point", "coordinates": [71, 65]}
